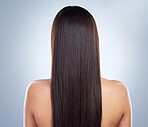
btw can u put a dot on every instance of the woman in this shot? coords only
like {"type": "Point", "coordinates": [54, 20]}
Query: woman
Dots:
{"type": "Point", "coordinates": [76, 95]}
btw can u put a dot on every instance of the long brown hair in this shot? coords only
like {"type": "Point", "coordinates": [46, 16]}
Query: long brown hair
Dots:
{"type": "Point", "coordinates": [75, 78]}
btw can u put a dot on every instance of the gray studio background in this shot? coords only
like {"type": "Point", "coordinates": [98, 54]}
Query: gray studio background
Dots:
{"type": "Point", "coordinates": [25, 51]}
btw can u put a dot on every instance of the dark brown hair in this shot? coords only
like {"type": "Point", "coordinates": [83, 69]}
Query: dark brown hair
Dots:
{"type": "Point", "coordinates": [75, 78]}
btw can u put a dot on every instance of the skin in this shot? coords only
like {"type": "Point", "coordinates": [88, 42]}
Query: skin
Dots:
{"type": "Point", "coordinates": [116, 104]}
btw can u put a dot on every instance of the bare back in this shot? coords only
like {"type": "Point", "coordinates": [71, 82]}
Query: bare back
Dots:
{"type": "Point", "coordinates": [116, 108]}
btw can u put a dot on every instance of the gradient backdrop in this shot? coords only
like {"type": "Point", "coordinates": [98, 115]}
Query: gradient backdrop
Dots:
{"type": "Point", "coordinates": [25, 49]}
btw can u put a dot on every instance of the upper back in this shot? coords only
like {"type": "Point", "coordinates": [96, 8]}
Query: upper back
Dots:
{"type": "Point", "coordinates": [114, 96]}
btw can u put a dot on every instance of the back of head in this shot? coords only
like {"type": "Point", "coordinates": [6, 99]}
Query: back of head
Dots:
{"type": "Point", "coordinates": [75, 85]}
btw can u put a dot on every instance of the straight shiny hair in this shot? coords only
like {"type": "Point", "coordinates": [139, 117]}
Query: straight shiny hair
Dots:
{"type": "Point", "coordinates": [75, 77]}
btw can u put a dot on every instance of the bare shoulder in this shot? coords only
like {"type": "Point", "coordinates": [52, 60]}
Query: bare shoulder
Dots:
{"type": "Point", "coordinates": [38, 101]}
{"type": "Point", "coordinates": [115, 87]}
{"type": "Point", "coordinates": [38, 86]}
{"type": "Point", "coordinates": [116, 94]}
{"type": "Point", "coordinates": [118, 91]}
{"type": "Point", "coordinates": [38, 91]}
{"type": "Point", "coordinates": [120, 87]}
